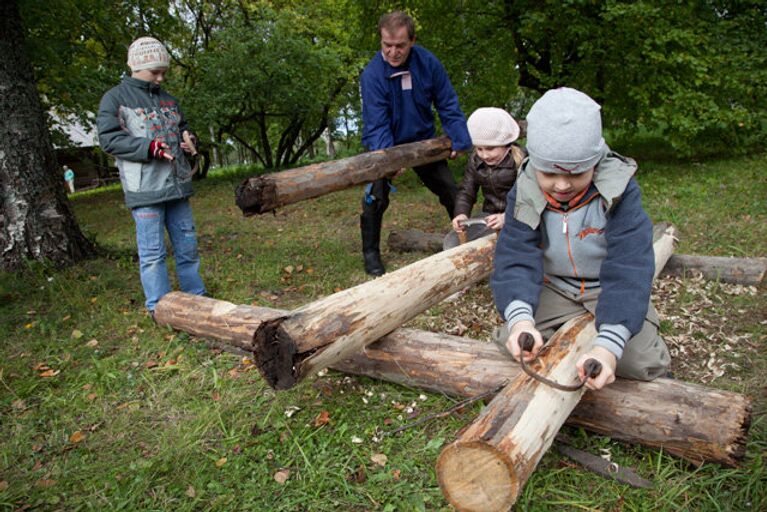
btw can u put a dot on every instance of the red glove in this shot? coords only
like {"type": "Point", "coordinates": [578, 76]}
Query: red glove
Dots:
{"type": "Point", "coordinates": [157, 149]}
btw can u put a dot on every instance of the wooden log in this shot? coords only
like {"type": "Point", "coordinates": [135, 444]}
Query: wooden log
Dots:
{"type": "Point", "coordinates": [747, 271]}
{"type": "Point", "coordinates": [414, 240]}
{"type": "Point", "coordinates": [691, 421]}
{"type": "Point", "coordinates": [264, 193]}
{"type": "Point", "coordinates": [317, 335]}
{"type": "Point", "coordinates": [487, 466]}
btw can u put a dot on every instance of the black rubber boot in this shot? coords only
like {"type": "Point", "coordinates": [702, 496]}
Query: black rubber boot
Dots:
{"type": "Point", "coordinates": [370, 225]}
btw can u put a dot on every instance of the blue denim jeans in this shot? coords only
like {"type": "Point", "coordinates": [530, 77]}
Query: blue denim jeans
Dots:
{"type": "Point", "coordinates": [151, 223]}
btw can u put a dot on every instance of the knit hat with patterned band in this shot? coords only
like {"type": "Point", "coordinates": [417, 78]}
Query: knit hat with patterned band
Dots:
{"type": "Point", "coordinates": [564, 132]}
{"type": "Point", "coordinates": [147, 53]}
{"type": "Point", "coordinates": [490, 126]}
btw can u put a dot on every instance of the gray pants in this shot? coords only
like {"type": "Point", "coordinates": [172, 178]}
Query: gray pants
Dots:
{"type": "Point", "coordinates": [645, 356]}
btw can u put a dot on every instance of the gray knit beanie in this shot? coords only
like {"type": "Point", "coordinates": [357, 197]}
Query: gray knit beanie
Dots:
{"type": "Point", "coordinates": [147, 53]}
{"type": "Point", "coordinates": [490, 126]}
{"type": "Point", "coordinates": [564, 132]}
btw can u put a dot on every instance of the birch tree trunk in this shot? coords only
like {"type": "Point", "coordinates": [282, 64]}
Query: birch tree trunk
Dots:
{"type": "Point", "coordinates": [35, 220]}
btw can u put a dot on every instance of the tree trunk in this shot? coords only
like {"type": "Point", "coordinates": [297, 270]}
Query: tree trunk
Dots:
{"type": "Point", "coordinates": [330, 148]}
{"type": "Point", "coordinates": [691, 421]}
{"type": "Point", "coordinates": [748, 271]}
{"type": "Point", "coordinates": [328, 330]}
{"type": "Point", "coordinates": [264, 193]}
{"type": "Point", "coordinates": [35, 220]}
{"type": "Point", "coordinates": [487, 466]}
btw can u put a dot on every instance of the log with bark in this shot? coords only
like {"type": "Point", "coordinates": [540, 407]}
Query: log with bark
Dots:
{"type": "Point", "coordinates": [691, 421]}
{"type": "Point", "coordinates": [487, 466]}
{"type": "Point", "coordinates": [323, 332]}
{"type": "Point", "coordinates": [746, 271]}
{"type": "Point", "coordinates": [264, 193]}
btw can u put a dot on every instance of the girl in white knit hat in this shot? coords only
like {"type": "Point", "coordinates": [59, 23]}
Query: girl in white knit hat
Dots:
{"type": "Point", "coordinates": [492, 167]}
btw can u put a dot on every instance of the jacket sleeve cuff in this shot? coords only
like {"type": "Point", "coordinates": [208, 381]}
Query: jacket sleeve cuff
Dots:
{"type": "Point", "coordinates": [613, 337]}
{"type": "Point", "coordinates": [517, 311]}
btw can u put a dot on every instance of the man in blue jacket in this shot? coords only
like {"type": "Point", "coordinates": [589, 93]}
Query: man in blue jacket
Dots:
{"type": "Point", "coordinates": [399, 86]}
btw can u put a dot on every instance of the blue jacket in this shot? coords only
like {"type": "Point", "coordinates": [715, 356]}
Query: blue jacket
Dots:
{"type": "Point", "coordinates": [604, 242]}
{"type": "Point", "coordinates": [392, 114]}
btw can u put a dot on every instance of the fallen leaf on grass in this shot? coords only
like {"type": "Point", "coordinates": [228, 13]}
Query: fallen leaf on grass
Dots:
{"type": "Point", "coordinates": [77, 334]}
{"type": "Point", "coordinates": [356, 440]}
{"type": "Point", "coordinates": [150, 364]}
{"type": "Point", "coordinates": [323, 418]}
{"type": "Point", "coordinates": [92, 343]}
{"type": "Point", "coordinates": [86, 387]}
{"type": "Point", "coordinates": [380, 459]}
{"type": "Point", "coordinates": [49, 373]}
{"type": "Point", "coordinates": [216, 396]}
{"type": "Point", "coordinates": [220, 462]}
{"type": "Point", "coordinates": [395, 474]}
{"type": "Point", "coordinates": [77, 436]}
{"type": "Point", "coordinates": [291, 410]}
{"type": "Point", "coordinates": [282, 476]}
{"type": "Point", "coordinates": [91, 397]}
{"type": "Point", "coordinates": [3, 485]}
{"type": "Point", "coordinates": [359, 476]}
{"type": "Point", "coordinates": [66, 318]}
{"type": "Point", "coordinates": [191, 492]}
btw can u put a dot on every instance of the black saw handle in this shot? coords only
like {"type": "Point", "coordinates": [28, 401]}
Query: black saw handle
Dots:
{"type": "Point", "coordinates": [592, 368]}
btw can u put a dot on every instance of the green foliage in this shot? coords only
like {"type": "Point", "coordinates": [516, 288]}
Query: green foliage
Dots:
{"type": "Point", "coordinates": [272, 73]}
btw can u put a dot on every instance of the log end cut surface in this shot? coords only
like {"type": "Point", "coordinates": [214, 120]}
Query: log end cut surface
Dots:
{"type": "Point", "coordinates": [475, 476]}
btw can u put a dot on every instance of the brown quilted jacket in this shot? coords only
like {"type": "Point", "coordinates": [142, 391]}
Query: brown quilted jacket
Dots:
{"type": "Point", "coordinates": [495, 181]}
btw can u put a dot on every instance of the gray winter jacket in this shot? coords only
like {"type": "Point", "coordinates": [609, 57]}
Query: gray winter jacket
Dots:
{"type": "Point", "coordinates": [131, 115]}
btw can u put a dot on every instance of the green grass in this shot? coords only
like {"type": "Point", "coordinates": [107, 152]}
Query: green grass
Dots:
{"type": "Point", "coordinates": [160, 410]}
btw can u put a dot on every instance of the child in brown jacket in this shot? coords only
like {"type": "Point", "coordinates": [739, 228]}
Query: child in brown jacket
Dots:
{"type": "Point", "coordinates": [492, 167]}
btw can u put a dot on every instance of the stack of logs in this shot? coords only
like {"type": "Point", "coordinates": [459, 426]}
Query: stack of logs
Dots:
{"type": "Point", "coordinates": [358, 331]}
{"type": "Point", "coordinates": [515, 429]}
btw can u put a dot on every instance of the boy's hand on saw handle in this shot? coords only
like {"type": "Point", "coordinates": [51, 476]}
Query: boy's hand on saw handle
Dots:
{"type": "Point", "coordinates": [608, 362]}
{"type": "Point", "coordinates": [524, 340]}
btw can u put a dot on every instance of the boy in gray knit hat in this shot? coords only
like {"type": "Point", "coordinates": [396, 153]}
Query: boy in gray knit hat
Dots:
{"type": "Point", "coordinates": [492, 166]}
{"type": "Point", "coordinates": [576, 239]}
{"type": "Point", "coordinates": [144, 129]}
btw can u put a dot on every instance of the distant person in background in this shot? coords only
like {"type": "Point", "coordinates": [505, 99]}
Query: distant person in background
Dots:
{"type": "Point", "coordinates": [143, 128]}
{"type": "Point", "coordinates": [399, 87]}
{"type": "Point", "coordinates": [69, 179]}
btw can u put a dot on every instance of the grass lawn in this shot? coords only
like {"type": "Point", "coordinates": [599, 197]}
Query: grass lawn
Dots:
{"type": "Point", "coordinates": [102, 410]}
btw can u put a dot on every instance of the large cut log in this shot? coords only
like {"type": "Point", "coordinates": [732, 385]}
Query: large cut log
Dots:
{"type": "Point", "coordinates": [691, 421]}
{"type": "Point", "coordinates": [487, 466]}
{"type": "Point", "coordinates": [748, 271]}
{"type": "Point", "coordinates": [264, 193]}
{"type": "Point", "coordinates": [414, 240]}
{"type": "Point", "coordinates": [319, 334]}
